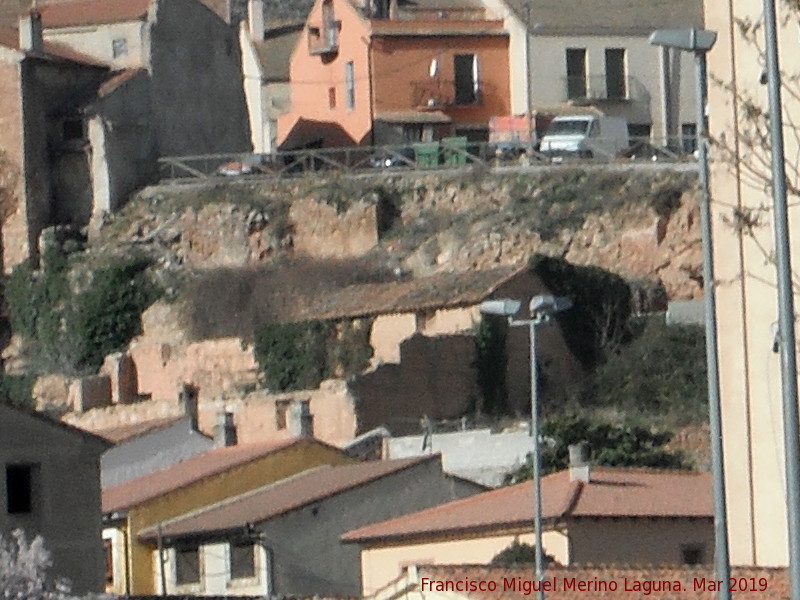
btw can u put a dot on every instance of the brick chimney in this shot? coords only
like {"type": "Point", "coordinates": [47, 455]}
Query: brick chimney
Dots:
{"type": "Point", "coordinates": [580, 468]}
{"type": "Point", "coordinates": [30, 32]}
{"type": "Point", "coordinates": [255, 19]}
{"type": "Point", "coordinates": [224, 431]}
{"type": "Point", "coordinates": [301, 421]}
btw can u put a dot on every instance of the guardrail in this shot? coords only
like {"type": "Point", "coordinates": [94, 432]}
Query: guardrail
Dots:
{"type": "Point", "coordinates": [448, 153]}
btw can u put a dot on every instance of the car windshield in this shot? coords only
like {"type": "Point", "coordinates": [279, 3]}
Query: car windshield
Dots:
{"type": "Point", "coordinates": [569, 127]}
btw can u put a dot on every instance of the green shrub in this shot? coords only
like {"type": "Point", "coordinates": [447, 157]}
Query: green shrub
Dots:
{"type": "Point", "coordinates": [17, 389]}
{"type": "Point", "coordinates": [298, 356]}
{"type": "Point", "coordinates": [611, 444]}
{"type": "Point", "coordinates": [491, 363]}
{"type": "Point", "coordinates": [597, 324]}
{"type": "Point", "coordinates": [517, 554]}
{"type": "Point", "coordinates": [107, 314]}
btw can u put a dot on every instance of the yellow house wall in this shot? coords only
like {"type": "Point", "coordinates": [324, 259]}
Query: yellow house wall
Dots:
{"type": "Point", "coordinates": [380, 565]}
{"type": "Point", "coordinates": [746, 296]}
{"type": "Point", "coordinates": [638, 541]}
{"type": "Point", "coordinates": [235, 481]}
{"type": "Point", "coordinates": [451, 320]}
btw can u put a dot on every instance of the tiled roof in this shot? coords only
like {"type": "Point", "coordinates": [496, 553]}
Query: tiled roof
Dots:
{"type": "Point", "coordinates": [122, 433]}
{"type": "Point", "coordinates": [93, 12]}
{"type": "Point", "coordinates": [275, 52]}
{"type": "Point", "coordinates": [443, 290]}
{"type": "Point", "coordinates": [610, 493]}
{"type": "Point", "coordinates": [100, 442]}
{"type": "Point", "coordinates": [131, 493]}
{"type": "Point", "coordinates": [609, 16]}
{"type": "Point", "coordinates": [400, 27]}
{"type": "Point", "coordinates": [762, 583]}
{"type": "Point", "coordinates": [9, 37]}
{"type": "Point", "coordinates": [283, 496]}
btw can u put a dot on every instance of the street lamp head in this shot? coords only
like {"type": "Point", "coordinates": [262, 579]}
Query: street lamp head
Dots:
{"type": "Point", "coordinates": [690, 39]}
{"type": "Point", "coordinates": [544, 306]}
{"type": "Point", "coordinates": [503, 307]}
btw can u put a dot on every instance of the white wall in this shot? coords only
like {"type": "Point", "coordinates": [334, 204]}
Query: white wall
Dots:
{"type": "Point", "coordinates": [251, 72]}
{"type": "Point", "coordinates": [97, 42]}
{"type": "Point", "coordinates": [215, 577]}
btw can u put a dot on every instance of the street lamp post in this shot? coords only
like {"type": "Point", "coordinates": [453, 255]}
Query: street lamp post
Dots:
{"type": "Point", "coordinates": [542, 308]}
{"type": "Point", "coordinates": [700, 41]}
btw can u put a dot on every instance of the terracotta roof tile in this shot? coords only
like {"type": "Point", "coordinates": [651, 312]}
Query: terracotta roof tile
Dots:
{"type": "Point", "coordinates": [283, 496]}
{"type": "Point", "coordinates": [122, 433]}
{"type": "Point", "coordinates": [9, 37]}
{"type": "Point", "coordinates": [93, 12]}
{"type": "Point", "coordinates": [610, 493]}
{"type": "Point", "coordinates": [684, 582]}
{"type": "Point", "coordinates": [136, 491]}
{"type": "Point", "coordinates": [443, 290]}
{"type": "Point", "coordinates": [387, 27]}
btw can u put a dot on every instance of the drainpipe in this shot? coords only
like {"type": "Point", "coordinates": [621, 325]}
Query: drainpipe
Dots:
{"type": "Point", "coordinates": [666, 96]}
{"type": "Point", "coordinates": [371, 100]}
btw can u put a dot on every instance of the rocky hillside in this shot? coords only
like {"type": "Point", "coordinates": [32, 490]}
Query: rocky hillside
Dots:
{"type": "Point", "coordinates": [641, 225]}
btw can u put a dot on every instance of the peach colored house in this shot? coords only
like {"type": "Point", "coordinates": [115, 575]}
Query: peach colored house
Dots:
{"type": "Point", "coordinates": [744, 239]}
{"type": "Point", "coordinates": [389, 71]}
{"type": "Point", "coordinates": [591, 516]}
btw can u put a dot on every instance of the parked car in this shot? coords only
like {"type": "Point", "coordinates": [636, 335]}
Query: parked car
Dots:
{"type": "Point", "coordinates": [585, 136]}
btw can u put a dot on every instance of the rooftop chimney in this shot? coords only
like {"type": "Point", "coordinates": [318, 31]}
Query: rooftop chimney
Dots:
{"type": "Point", "coordinates": [30, 32]}
{"type": "Point", "coordinates": [255, 19]}
{"type": "Point", "coordinates": [579, 467]}
{"type": "Point", "coordinates": [301, 422]}
{"type": "Point", "coordinates": [224, 431]}
{"type": "Point", "coordinates": [187, 396]}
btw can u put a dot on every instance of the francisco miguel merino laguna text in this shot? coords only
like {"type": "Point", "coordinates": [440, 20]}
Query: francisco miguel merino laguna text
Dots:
{"type": "Point", "coordinates": [552, 584]}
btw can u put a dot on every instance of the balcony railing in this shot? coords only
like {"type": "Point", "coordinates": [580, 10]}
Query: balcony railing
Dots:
{"type": "Point", "coordinates": [602, 88]}
{"type": "Point", "coordinates": [440, 93]}
{"type": "Point", "coordinates": [324, 39]}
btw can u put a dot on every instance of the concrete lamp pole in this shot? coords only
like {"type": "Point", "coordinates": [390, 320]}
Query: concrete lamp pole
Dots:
{"type": "Point", "coordinates": [786, 329]}
{"type": "Point", "coordinates": [542, 308]}
{"type": "Point", "coordinates": [700, 41]}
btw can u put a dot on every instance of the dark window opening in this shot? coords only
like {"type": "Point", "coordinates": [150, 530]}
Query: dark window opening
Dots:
{"type": "Point", "coordinates": [576, 73]}
{"type": "Point", "coordinates": [331, 97]}
{"type": "Point", "coordinates": [119, 47]}
{"type": "Point", "coordinates": [616, 85]}
{"type": "Point", "coordinates": [109, 554]}
{"type": "Point", "coordinates": [187, 565]}
{"type": "Point", "coordinates": [692, 555]}
{"type": "Point", "coordinates": [72, 129]}
{"type": "Point", "coordinates": [689, 137]}
{"type": "Point", "coordinates": [466, 78]}
{"type": "Point", "coordinates": [242, 560]}
{"type": "Point", "coordinates": [19, 489]}
{"type": "Point", "coordinates": [639, 131]}
{"type": "Point", "coordinates": [281, 406]}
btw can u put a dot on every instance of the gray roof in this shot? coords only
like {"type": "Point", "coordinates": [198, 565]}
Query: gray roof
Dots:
{"type": "Point", "coordinates": [609, 17]}
{"type": "Point", "coordinates": [275, 52]}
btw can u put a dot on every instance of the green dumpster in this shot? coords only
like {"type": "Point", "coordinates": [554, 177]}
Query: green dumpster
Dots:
{"type": "Point", "coordinates": [454, 151]}
{"type": "Point", "coordinates": [426, 154]}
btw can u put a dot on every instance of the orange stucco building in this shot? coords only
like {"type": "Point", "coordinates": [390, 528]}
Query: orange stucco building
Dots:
{"type": "Point", "coordinates": [386, 72]}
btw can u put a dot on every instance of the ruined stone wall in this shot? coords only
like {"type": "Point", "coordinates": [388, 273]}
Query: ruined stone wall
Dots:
{"type": "Point", "coordinates": [324, 232]}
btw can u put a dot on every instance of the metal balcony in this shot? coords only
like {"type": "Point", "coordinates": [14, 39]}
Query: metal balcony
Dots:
{"type": "Point", "coordinates": [601, 88]}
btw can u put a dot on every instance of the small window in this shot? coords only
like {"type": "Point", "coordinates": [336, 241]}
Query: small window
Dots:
{"type": "Point", "coordinates": [616, 82]}
{"type": "Point", "coordinates": [119, 47]}
{"type": "Point", "coordinates": [692, 554]}
{"type": "Point", "coordinates": [242, 560]}
{"type": "Point", "coordinates": [689, 137]}
{"type": "Point", "coordinates": [109, 554]}
{"type": "Point", "coordinates": [187, 565]}
{"type": "Point", "coordinates": [281, 406]}
{"type": "Point", "coordinates": [19, 489]}
{"type": "Point", "coordinates": [350, 84]}
{"type": "Point", "coordinates": [576, 73]}
{"type": "Point", "coordinates": [331, 97]}
{"type": "Point", "coordinates": [72, 129]}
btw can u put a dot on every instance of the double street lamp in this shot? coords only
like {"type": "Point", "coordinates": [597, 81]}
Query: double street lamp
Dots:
{"type": "Point", "coordinates": [541, 308]}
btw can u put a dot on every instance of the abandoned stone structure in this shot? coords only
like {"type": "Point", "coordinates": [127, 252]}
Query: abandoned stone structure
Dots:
{"type": "Point", "coordinates": [160, 77]}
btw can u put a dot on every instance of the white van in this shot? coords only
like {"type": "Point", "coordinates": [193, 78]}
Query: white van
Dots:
{"type": "Point", "coordinates": [585, 136]}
